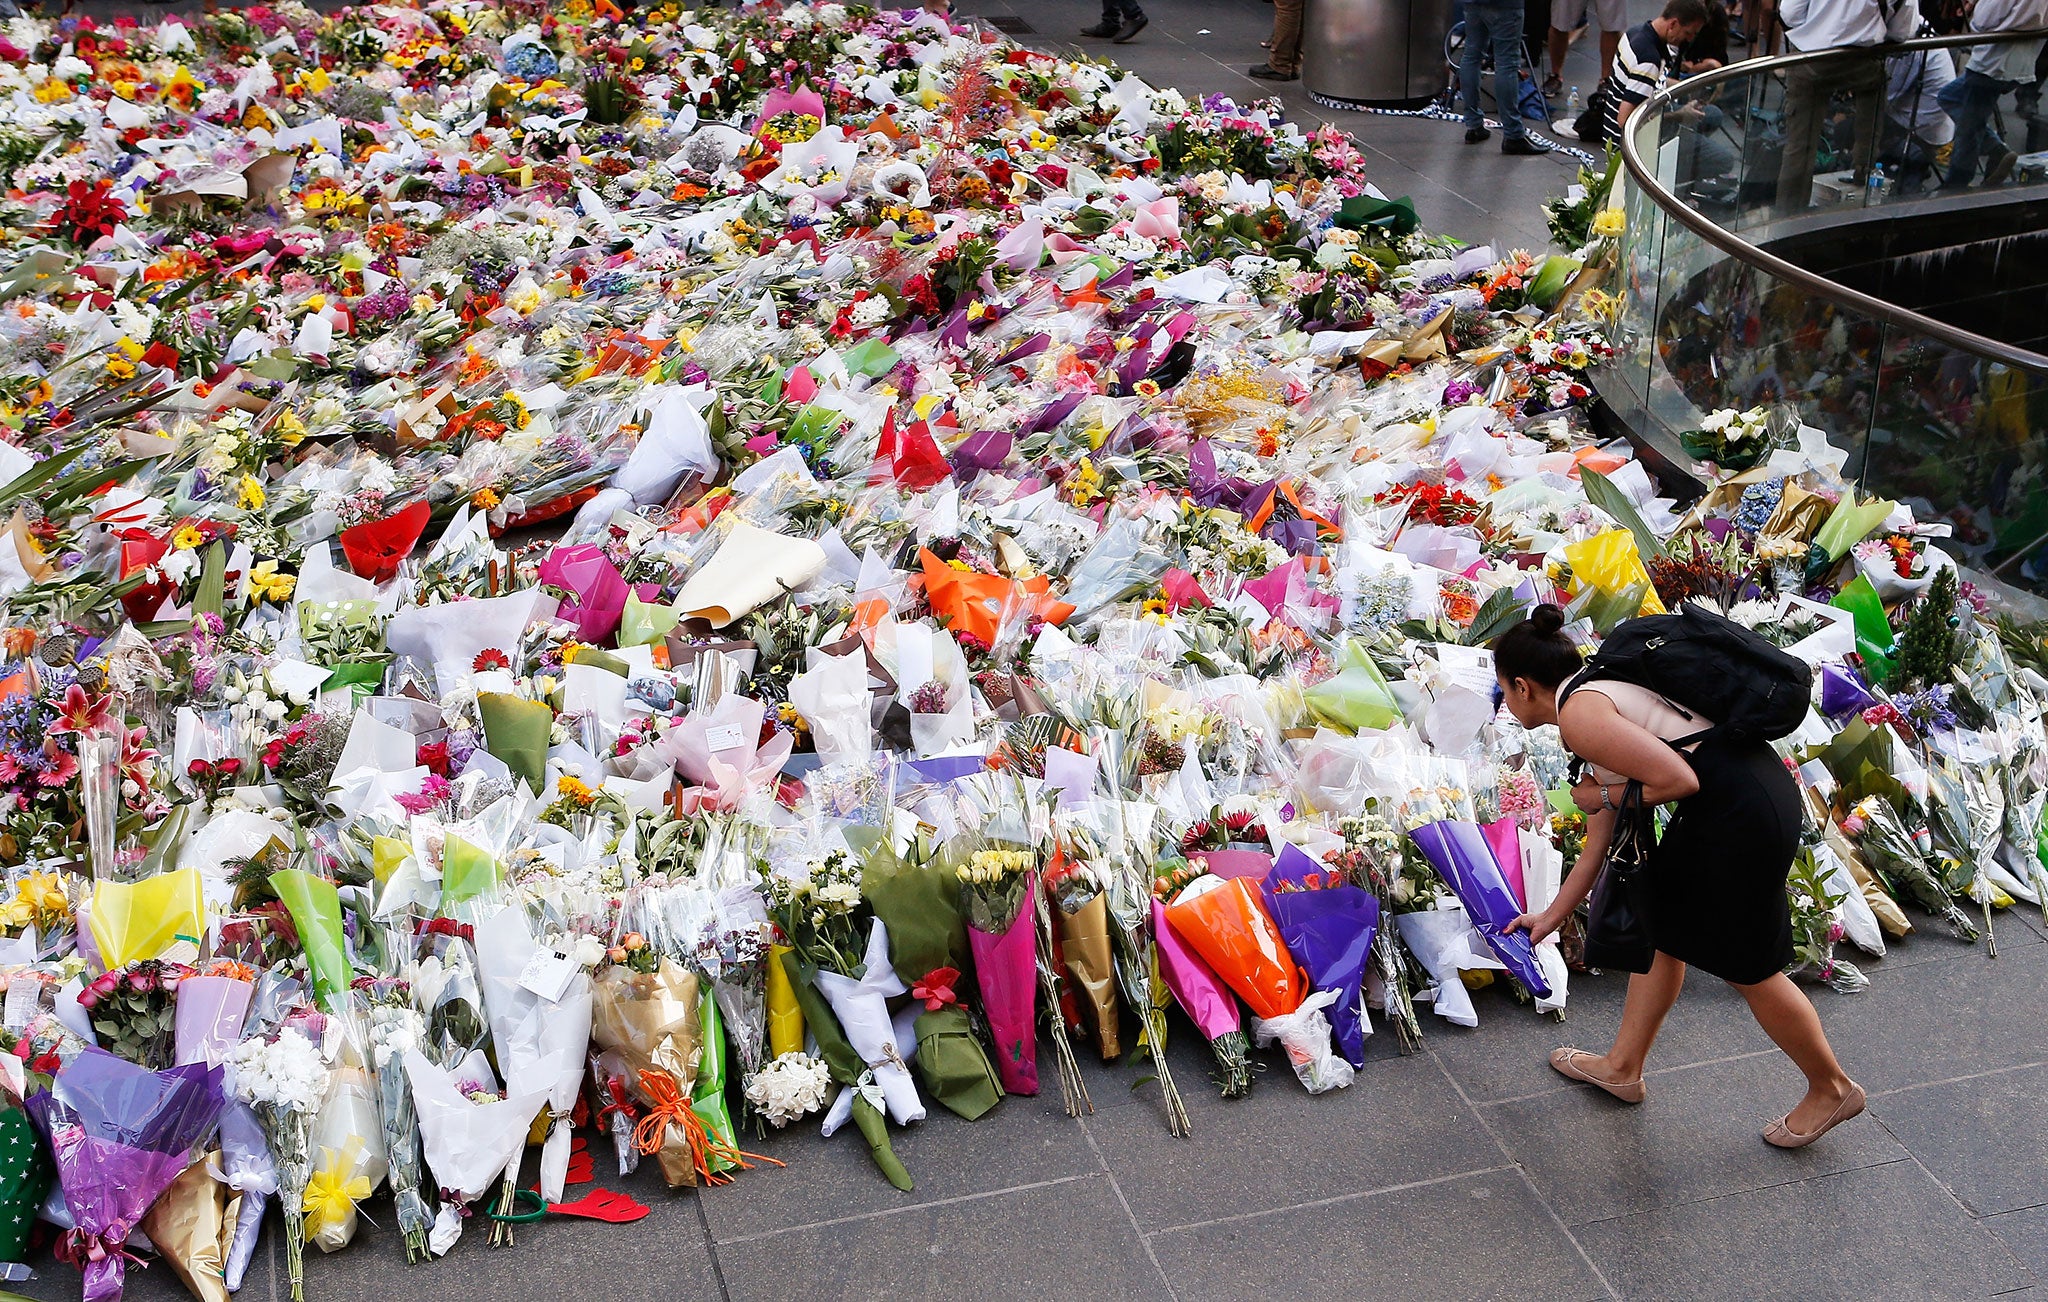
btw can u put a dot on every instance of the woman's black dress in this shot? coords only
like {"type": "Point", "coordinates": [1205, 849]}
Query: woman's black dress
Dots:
{"type": "Point", "coordinates": [1716, 882]}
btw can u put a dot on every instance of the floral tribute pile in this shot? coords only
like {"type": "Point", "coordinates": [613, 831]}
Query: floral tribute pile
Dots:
{"type": "Point", "coordinates": [610, 583]}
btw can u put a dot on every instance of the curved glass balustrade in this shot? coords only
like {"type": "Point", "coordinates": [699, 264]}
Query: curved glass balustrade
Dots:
{"type": "Point", "coordinates": [1743, 273]}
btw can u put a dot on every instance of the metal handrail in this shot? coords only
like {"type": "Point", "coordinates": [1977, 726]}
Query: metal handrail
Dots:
{"type": "Point", "coordinates": [1734, 245]}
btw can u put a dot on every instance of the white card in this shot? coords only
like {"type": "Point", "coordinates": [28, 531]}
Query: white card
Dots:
{"type": "Point", "coordinates": [546, 973]}
{"type": "Point", "coordinates": [724, 737]}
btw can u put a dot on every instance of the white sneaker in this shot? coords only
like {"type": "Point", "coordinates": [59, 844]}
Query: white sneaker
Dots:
{"type": "Point", "coordinates": [1564, 130]}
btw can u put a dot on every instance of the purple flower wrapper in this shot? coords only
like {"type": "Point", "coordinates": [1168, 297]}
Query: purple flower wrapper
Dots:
{"type": "Point", "coordinates": [1461, 856]}
{"type": "Point", "coordinates": [1329, 930]}
{"type": "Point", "coordinates": [120, 1135]}
{"type": "Point", "coordinates": [1842, 692]}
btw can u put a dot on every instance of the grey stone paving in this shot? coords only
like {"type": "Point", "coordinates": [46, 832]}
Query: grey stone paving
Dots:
{"type": "Point", "coordinates": [1468, 1170]}
{"type": "Point", "coordinates": [1205, 46]}
{"type": "Point", "coordinates": [1465, 1171]}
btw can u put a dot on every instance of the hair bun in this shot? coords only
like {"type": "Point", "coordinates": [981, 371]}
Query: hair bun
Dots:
{"type": "Point", "coordinates": [1547, 619]}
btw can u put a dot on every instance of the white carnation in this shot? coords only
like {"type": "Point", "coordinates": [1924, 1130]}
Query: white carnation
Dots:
{"type": "Point", "coordinates": [789, 1088]}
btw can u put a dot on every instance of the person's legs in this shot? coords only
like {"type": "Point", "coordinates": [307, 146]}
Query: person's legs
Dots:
{"type": "Point", "coordinates": [1650, 997]}
{"type": "Point", "coordinates": [1806, 97]}
{"type": "Point", "coordinates": [1970, 108]}
{"type": "Point", "coordinates": [1867, 92]}
{"type": "Point", "coordinates": [1610, 42]}
{"type": "Point", "coordinates": [1505, 31]}
{"type": "Point", "coordinates": [1285, 54]}
{"type": "Point", "coordinates": [1787, 1016]}
{"type": "Point", "coordinates": [1469, 63]}
{"type": "Point", "coordinates": [1564, 16]}
{"type": "Point", "coordinates": [1535, 34]}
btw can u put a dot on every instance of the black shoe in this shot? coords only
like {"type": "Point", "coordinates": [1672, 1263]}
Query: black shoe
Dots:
{"type": "Point", "coordinates": [1103, 30]}
{"type": "Point", "coordinates": [1267, 72]}
{"type": "Point", "coordinates": [1473, 135]}
{"type": "Point", "coordinates": [1518, 145]}
{"type": "Point", "coordinates": [1130, 29]}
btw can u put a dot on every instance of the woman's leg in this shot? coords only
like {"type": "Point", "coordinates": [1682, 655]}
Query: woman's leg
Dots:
{"type": "Point", "coordinates": [1787, 1016]}
{"type": "Point", "coordinates": [1650, 996]}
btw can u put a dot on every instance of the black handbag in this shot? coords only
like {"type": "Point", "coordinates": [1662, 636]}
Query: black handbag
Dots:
{"type": "Point", "coordinates": [1617, 912]}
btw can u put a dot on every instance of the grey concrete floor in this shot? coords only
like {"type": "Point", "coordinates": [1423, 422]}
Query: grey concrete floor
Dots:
{"type": "Point", "coordinates": [1205, 47]}
{"type": "Point", "coordinates": [1468, 1170]}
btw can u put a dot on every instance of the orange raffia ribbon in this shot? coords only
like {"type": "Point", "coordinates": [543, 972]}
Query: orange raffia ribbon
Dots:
{"type": "Point", "coordinates": [672, 1107]}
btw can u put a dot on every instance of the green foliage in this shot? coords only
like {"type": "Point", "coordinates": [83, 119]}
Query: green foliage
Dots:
{"type": "Point", "coordinates": [1927, 649]}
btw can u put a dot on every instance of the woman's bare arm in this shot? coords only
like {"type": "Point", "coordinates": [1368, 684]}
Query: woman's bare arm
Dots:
{"type": "Point", "coordinates": [1596, 732]}
{"type": "Point", "coordinates": [1599, 832]}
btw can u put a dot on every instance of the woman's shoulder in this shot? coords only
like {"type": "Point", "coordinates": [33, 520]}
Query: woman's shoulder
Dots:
{"type": "Point", "coordinates": [1640, 706]}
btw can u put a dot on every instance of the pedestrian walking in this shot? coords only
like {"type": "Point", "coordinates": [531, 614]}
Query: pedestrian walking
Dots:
{"type": "Point", "coordinates": [1714, 883]}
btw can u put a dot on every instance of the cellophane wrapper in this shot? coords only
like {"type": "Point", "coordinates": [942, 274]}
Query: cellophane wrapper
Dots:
{"type": "Point", "coordinates": [393, 1026]}
{"type": "Point", "coordinates": [1304, 1035]}
{"type": "Point", "coordinates": [120, 1135]}
{"type": "Point", "coordinates": [348, 1146]}
{"type": "Point", "coordinates": [649, 1022]}
{"type": "Point", "coordinates": [192, 1225]}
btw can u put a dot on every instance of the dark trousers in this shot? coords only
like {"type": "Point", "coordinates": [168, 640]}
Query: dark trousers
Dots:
{"type": "Point", "coordinates": [1810, 88]}
{"type": "Point", "coordinates": [1971, 99]}
{"type": "Point", "coordinates": [1495, 27]}
{"type": "Point", "coordinates": [1119, 12]}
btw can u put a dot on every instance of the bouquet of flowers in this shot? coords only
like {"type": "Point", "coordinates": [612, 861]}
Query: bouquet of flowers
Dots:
{"type": "Point", "coordinates": [540, 1010]}
{"type": "Point", "coordinates": [394, 1027]}
{"type": "Point", "coordinates": [1329, 925]}
{"type": "Point", "coordinates": [284, 1079]}
{"type": "Point", "coordinates": [120, 1135]}
{"type": "Point", "coordinates": [995, 886]}
{"type": "Point", "coordinates": [1201, 994]}
{"type": "Point", "coordinates": [1732, 440]}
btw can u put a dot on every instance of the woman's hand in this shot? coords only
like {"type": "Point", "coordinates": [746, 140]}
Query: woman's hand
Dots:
{"type": "Point", "coordinates": [1540, 926]}
{"type": "Point", "coordinates": [1586, 795]}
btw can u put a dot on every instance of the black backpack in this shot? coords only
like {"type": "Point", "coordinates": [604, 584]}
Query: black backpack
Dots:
{"type": "Point", "coordinates": [1699, 661]}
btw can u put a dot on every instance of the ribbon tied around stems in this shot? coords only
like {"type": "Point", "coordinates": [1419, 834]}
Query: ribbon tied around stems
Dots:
{"type": "Point", "coordinates": [458, 1200]}
{"type": "Point", "coordinates": [671, 1107]}
{"type": "Point", "coordinates": [81, 1248]}
{"type": "Point", "coordinates": [620, 1105]}
{"type": "Point", "coordinates": [869, 1086]}
{"type": "Point", "coordinates": [935, 988]}
{"type": "Point", "coordinates": [330, 1194]}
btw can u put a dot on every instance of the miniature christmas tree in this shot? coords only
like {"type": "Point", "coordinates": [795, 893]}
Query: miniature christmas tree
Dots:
{"type": "Point", "coordinates": [1927, 648]}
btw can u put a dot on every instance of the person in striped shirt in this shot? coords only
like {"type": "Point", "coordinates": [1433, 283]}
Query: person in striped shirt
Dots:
{"type": "Point", "coordinates": [1649, 53]}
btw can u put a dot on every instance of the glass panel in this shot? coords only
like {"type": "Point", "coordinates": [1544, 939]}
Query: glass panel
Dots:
{"type": "Point", "coordinates": [1965, 437]}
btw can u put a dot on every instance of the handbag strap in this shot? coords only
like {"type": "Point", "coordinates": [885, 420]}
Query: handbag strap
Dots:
{"type": "Point", "coordinates": [1629, 848]}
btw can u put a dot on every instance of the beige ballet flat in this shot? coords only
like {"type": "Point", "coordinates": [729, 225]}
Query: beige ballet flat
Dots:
{"type": "Point", "coordinates": [1565, 1063]}
{"type": "Point", "coordinates": [1780, 1135]}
